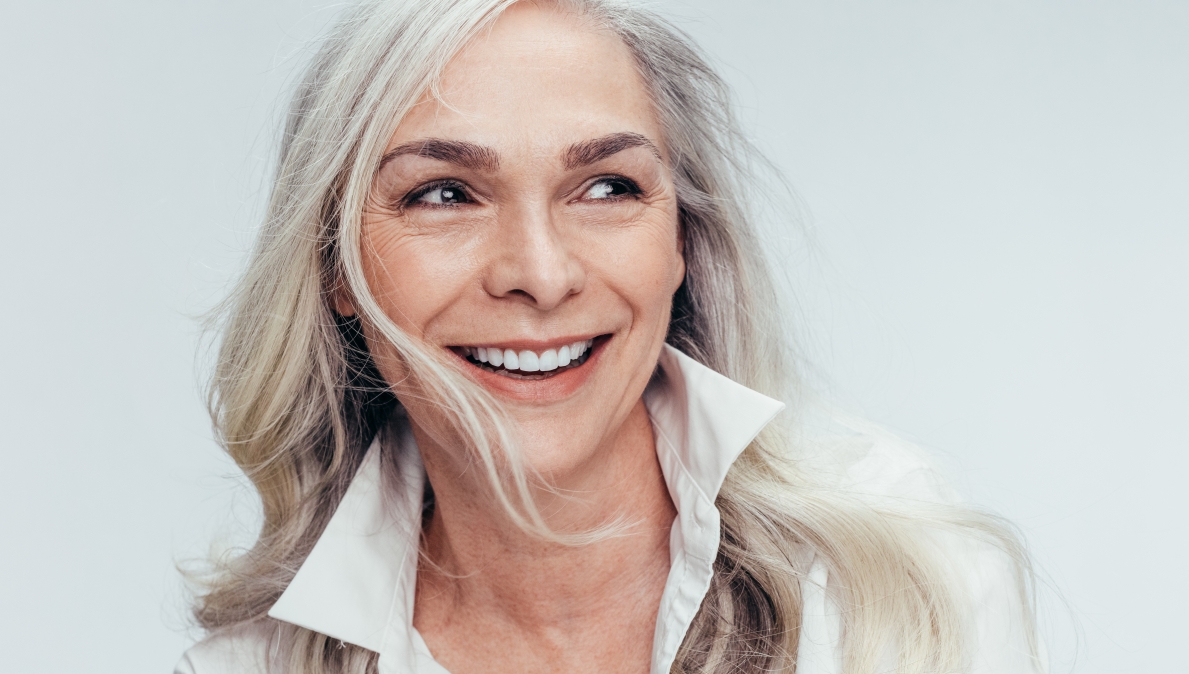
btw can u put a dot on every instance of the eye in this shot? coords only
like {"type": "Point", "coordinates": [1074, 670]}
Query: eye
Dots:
{"type": "Point", "coordinates": [611, 188]}
{"type": "Point", "coordinates": [439, 194]}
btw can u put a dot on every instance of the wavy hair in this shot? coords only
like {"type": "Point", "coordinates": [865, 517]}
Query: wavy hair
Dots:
{"type": "Point", "coordinates": [296, 398]}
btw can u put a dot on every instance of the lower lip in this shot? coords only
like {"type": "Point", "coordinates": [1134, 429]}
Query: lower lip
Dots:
{"type": "Point", "coordinates": [557, 387]}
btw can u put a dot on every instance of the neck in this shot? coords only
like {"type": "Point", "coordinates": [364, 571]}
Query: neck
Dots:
{"type": "Point", "coordinates": [477, 562]}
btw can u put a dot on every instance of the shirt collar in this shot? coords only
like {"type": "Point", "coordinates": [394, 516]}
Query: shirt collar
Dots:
{"type": "Point", "coordinates": [358, 582]}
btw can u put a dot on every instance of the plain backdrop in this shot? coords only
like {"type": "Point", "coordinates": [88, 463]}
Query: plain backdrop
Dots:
{"type": "Point", "coordinates": [992, 262]}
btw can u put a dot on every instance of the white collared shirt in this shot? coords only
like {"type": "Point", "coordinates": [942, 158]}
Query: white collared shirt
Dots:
{"type": "Point", "coordinates": [358, 583]}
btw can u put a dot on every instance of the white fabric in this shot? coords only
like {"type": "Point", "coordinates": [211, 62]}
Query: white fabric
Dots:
{"type": "Point", "coordinates": [358, 583]}
{"type": "Point", "coordinates": [817, 651]}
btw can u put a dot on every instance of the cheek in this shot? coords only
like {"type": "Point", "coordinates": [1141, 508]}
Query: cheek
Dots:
{"type": "Point", "coordinates": [414, 278]}
{"type": "Point", "coordinates": [643, 264]}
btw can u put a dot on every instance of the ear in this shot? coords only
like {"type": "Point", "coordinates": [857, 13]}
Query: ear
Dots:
{"type": "Point", "coordinates": [680, 252]}
{"type": "Point", "coordinates": [340, 299]}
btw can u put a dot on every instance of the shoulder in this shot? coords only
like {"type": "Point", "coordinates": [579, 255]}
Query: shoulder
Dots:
{"type": "Point", "coordinates": [980, 555]}
{"type": "Point", "coordinates": [860, 458]}
{"type": "Point", "coordinates": [243, 649]}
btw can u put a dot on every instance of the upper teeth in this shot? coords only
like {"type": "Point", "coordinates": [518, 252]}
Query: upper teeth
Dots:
{"type": "Point", "coordinates": [528, 361]}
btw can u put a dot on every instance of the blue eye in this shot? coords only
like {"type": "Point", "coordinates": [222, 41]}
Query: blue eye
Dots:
{"type": "Point", "coordinates": [610, 188]}
{"type": "Point", "coordinates": [442, 195]}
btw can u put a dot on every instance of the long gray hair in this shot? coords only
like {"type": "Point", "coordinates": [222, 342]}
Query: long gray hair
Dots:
{"type": "Point", "coordinates": [296, 398]}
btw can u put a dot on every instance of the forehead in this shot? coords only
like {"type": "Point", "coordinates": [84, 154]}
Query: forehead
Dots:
{"type": "Point", "coordinates": [538, 79]}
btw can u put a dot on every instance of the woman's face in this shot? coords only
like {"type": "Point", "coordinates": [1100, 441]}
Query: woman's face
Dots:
{"type": "Point", "coordinates": [526, 224]}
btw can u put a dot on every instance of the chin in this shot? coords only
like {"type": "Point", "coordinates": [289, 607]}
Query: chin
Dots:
{"type": "Point", "coordinates": [554, 451]}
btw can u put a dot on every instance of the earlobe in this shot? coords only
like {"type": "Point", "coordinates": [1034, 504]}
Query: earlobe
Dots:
{"type": "Point", "coordinates": [680, 255]}
{"type": "Point", "coordinates": [341, 301]}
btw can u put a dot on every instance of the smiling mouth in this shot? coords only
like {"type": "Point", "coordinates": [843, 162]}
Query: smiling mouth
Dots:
{"type": "Point", "coordinates": [526, 364]}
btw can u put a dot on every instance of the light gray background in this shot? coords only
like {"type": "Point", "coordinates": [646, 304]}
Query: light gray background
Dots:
{"type": "Point", "coordinates": [998, 196]}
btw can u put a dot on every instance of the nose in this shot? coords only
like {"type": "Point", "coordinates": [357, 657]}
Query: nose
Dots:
{"type": "Point", "coordinates": [531, 261]}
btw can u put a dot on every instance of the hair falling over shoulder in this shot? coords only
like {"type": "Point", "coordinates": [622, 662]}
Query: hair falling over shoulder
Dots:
{"type": "Point", "coordinates": [296, 400]}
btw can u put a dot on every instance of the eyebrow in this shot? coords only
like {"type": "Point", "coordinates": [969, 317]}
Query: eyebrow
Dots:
{"type": "Point", "coordinates": [479, 158]}
{"type": "Point", "coordinates": [460, 152]}
{"type": "Point", "coordinates": [590, 151]}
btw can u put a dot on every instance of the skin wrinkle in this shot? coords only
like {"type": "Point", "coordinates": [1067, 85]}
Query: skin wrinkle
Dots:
{"type": "Point", "coordinates": [287, 409]}
{"type": "Point", "coordinates": [561, 223]}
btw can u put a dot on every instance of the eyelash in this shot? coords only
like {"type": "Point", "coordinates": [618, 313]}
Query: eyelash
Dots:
{"type": "Point", "coordinates": [633, 190]}
{"type": "Point", "coordinates": [413, 198]}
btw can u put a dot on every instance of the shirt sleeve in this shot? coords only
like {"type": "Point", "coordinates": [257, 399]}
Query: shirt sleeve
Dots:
{"type": "Point", "coordinates": [1000, 636]}
{"type": "Point", "coordinates": [1001, 633]}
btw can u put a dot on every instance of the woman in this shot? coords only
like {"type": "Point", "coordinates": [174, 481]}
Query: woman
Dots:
{"type": "Point", "coordinates": [504, 370]}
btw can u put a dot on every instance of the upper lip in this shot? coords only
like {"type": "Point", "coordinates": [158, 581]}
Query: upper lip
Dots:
{"type": "Point", "coordinates": [535, 345]}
